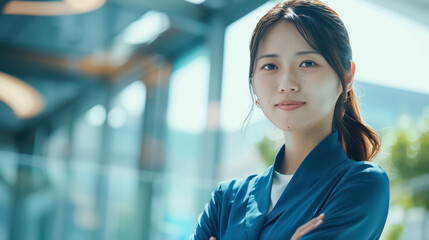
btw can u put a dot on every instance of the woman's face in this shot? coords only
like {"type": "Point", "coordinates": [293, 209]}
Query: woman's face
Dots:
{"type": "Point", "coordinates": [288, 69]}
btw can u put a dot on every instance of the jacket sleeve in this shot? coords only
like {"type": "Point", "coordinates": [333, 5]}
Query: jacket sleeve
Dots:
{"type": "Point", "coordinates": [208, 222]}
{"type": "Point", "coordinates": [358, 208]}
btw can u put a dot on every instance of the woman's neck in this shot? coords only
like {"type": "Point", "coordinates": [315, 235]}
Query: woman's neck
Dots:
{"type": "Point", "coordinates": [298, 145]}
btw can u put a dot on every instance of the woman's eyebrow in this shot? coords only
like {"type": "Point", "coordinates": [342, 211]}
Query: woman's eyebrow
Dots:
{"type": "Point", "coordinates": [272, 55]}
{"type": "Point", "coordinates": [306, 52]}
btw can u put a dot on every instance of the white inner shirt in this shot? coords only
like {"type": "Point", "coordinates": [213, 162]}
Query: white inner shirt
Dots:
{"type": "Point", "coordinates": [280, 181]}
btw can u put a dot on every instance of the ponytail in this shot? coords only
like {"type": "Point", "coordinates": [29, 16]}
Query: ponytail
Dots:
{"type": "Point", "coordinates": [360, 141]}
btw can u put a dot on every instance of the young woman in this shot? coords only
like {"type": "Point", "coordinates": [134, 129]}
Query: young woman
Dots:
{"type": "Point", "coordinates": [301, 73]}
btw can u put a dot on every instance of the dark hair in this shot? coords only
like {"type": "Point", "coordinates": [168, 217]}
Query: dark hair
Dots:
{"type": "Point", "coordinates": [324, 31]}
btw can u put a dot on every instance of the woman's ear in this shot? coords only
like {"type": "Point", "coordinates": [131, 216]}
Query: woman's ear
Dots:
{"type": "Point", "coordinates": [253, 85]}
{"type": "Point", "coordinates": [349, 75]}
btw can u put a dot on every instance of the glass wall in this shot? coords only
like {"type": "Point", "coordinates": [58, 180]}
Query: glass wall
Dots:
{"type": "Point", "coordinates": [187, 117]}
{"type": "Point", "coordinates": [90, 184]}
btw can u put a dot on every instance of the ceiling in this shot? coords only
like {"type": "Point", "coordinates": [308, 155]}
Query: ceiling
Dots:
{"type": "Point", "coordinates": [62, 56]}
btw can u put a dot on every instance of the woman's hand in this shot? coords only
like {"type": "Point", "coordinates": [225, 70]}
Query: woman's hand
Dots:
{"type": "Point", "coordinates": [310, 225]}
{"type": "Point", "coordinates": [304, 229]}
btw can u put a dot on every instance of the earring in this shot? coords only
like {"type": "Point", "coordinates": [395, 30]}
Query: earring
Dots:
{"type": "Point", "coordinates": [257, 103]}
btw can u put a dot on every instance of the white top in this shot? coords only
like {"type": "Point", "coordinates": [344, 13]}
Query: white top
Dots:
{"type": "Point", "coordinates": [280, 181]}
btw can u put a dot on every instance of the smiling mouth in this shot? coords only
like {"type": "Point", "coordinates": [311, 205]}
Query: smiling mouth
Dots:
{"type": "Point", "coordinates": [290, 107]}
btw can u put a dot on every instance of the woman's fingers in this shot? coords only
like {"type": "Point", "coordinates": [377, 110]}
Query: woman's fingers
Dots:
{"type": "Point", "coordinates": [310, 225]}
{"type": "Point", "coordinates": [313, 223]}
{"type": "Point", "coordinates": [304, 230]}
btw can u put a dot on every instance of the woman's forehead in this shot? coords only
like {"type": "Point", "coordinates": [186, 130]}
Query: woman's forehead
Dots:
{"type": "Point", "coordinates": [283, 37]}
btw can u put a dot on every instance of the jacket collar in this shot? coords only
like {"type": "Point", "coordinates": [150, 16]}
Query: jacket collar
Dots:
{"type": "Point", "coordinates": [324, 157]}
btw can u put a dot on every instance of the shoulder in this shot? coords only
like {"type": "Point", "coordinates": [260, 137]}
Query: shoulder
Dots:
{"type": "Point", "coordinates": [366, 179]}
{"type": "Point", "coordinates": [240, 187]}
{"type": "Point", "coordinates": [368, 171]}
{"type": "Point", "coordinates": [232, 186]}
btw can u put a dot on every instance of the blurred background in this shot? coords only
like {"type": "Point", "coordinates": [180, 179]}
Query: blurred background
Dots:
{"type": "Point", "coordinates": [119, 117]}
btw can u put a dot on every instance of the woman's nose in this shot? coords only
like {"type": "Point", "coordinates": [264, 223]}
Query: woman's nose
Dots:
{"type": "Point", "coordinates": [288, 83]}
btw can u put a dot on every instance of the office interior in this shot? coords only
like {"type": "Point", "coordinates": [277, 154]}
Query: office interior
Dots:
{"type": "Point", "coordinates": [118, 118]}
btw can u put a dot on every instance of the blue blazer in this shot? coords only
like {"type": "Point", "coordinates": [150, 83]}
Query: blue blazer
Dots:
{"type": "Point", "coordinates": [353, 195]}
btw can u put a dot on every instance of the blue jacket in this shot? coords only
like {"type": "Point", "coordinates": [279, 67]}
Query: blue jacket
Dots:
{"type": "Point", "coordinates": [353, 195]}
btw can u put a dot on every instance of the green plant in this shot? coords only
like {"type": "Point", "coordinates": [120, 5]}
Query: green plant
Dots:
{"type": "Point", "coordinates": [394, 232]}
{"type": "Point", "coordinates": [409, 150]}
{"type": "Point", "coordinates": [267, 149]}
{"type": "Point", "coordinates": [410, 158]}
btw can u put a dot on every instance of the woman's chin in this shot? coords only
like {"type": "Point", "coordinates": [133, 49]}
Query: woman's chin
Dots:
{"type": "Point", "coordinates": [290, 128]}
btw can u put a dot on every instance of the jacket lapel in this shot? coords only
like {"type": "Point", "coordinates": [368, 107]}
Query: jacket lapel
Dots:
{"type": "Point", "coordinates": [324, 157]}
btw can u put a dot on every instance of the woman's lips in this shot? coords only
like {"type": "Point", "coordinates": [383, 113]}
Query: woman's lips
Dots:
{"type": "Point", "coordinates": [289, 107]}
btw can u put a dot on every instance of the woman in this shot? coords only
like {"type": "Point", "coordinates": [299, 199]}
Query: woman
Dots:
{"type": "Point", "coordinates": [301, 72]}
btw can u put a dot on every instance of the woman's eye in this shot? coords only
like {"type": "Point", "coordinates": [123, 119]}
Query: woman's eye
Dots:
{"type": "Point", "coordinates": [269, 66]}
{"type": "Point", "coordinates": [308, 64]}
